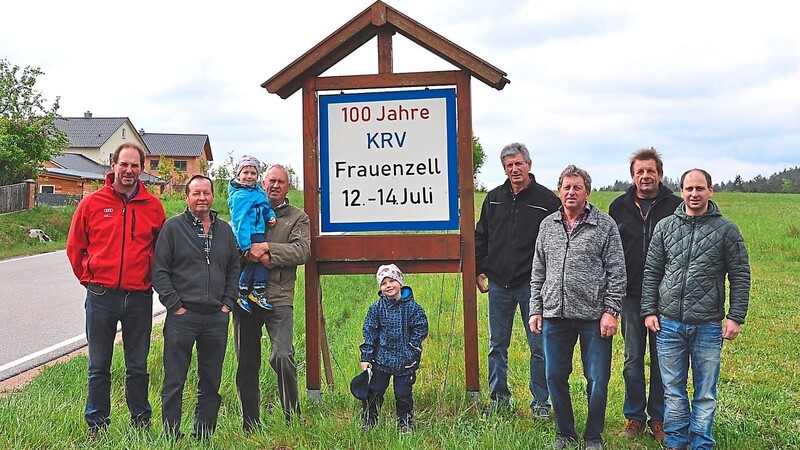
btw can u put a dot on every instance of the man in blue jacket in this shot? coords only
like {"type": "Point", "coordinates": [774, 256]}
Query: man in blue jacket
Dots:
{"type": "Point", "coordinates": [505, 236]}
{"type": "Point", "coordinates": [683, 302]}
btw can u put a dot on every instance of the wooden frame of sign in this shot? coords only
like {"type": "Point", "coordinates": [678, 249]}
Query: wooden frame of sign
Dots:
{"type": "Point", "coordinates": [361, 254]}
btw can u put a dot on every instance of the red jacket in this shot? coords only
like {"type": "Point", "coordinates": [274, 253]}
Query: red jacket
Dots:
{"type": "Point", "coordinates": [111, 241]}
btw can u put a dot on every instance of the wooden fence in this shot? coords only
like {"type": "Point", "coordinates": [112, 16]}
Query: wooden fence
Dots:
{"type": "Point", "coordinates": [13, 197]}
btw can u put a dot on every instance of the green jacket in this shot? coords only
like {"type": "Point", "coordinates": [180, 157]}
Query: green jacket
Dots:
{"type": "Point", "coordinates": [289, 246]}
{"type": "Point", "coordinates": [688, 259]}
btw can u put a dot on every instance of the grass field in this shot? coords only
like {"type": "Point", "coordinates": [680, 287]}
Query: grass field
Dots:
{"type": "Point", "coordinates": [759, 391]}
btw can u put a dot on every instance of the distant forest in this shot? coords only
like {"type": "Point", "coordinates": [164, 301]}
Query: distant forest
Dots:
{"type": "Point", "coordinates": [785, 182]}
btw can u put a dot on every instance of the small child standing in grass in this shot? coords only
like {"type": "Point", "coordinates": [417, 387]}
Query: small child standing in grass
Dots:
{"type": "Point", "coordinates": [250, 215]}
{"type": "Point", "coordinates": [394, 329]}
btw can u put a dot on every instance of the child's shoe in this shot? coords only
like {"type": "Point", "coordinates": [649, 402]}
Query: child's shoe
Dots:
{"type": "Point", "coordinates": [243, 303]}
{"type": "Point", "coordinates": [260, 299]}
{"type": "Point", "coordinates": [405, 426]}
{"type": "Point", "coordinates": [368, 421]}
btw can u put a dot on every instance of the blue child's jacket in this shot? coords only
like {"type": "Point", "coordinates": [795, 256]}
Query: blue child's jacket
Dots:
{"type": "Point", "coordinates": [250, 211]}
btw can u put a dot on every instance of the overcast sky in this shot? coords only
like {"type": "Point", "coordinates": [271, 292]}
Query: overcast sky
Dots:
{"type": "Point", "coordinates": [711, 84]}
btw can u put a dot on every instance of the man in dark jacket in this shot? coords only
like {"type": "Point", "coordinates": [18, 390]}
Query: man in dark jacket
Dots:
{"type": "Point", "coordinates": [110, 247]}
{"type": "Point", "coordinates": [195, 273]}
{"type": "Point", "coordinates": [636, 213]}
{"type": "Point", "coordinates": [683, 302]}
{"type": "Point", "coordinates": [505, 236]}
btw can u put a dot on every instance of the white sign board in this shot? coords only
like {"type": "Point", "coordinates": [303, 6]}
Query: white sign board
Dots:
{"type": "Point", "coordinates": [388, 161]}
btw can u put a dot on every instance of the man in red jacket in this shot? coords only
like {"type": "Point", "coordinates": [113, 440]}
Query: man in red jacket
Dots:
{"type": "Point", "coordinates": [110, 246]}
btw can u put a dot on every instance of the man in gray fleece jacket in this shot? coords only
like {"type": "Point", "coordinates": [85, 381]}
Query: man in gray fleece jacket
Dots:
{"type": "Point", "coordinates": [578, 280]}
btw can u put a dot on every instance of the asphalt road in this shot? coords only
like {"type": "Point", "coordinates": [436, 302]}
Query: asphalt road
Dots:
{"type": "Point", "coordinates": [41, 312]}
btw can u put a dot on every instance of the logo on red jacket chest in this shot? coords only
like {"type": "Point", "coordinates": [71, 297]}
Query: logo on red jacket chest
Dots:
{"type": "Point", "coordinates": [107, 212]}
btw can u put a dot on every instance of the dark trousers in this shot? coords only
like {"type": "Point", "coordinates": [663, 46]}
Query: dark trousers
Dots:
{"type": "Point", "coordinates": [247, 329]}
{"type": "Point", "coordinates": [181, 332]}
{"type": "Point", "coordinates": [638, 404]}
{"type": "Point", "coordinates": [403, 397]}
{"type": "Point", "coordinates": [104, 308]}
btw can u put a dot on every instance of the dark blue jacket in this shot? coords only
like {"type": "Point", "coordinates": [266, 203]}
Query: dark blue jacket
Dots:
{"type": "Point", "coordinates": [393, 334]}
{"type": "Point", "coordinates": [636, 231]}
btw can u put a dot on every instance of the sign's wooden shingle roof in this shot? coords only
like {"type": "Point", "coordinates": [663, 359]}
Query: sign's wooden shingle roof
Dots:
{"type": "Point", "coordinates": [363, 27]}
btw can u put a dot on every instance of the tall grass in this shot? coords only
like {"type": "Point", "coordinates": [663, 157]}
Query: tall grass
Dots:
{"type": "Point", "coordinates": [14, 238]}
{"type": "Point", "coordinates": [759, 392]}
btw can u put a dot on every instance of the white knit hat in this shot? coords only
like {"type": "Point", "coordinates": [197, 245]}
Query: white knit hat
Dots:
{"type": "Point", "coordinates": [389, 271]}
{"type": "Point", "coordinates": [248, 161]}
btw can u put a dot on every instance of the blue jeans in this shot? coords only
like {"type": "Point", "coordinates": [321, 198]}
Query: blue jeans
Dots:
{"type": "Point", "coordinates": [637, 340]}
{"type": "Point", "coordinates": [104, 308]}
{"type": "Point", "coordinates": [680, 344]}
{"type": "Point", "coordinates": [503, 305]}
{"type": "Point", "coordinates": [254, 275]}
{"type": "Point", "coordinates": [560, 336]}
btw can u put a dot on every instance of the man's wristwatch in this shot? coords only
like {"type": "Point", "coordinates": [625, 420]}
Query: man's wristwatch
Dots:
{"type": "Point", "coordinates": [612, 312]}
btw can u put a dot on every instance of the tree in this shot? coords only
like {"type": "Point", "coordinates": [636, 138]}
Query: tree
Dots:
{"type": "Point", "coordinates": [758, 184]}
{"type": "Point", "coordinates": [28, 134]}
{"type": "Point", "coordinates": [478, 158]}
{"type": "Point", "coordinates": [738, 184]}
{"type": "Point", "coordinates": [202, 165]}
{"type": "Point", "coordinates": [222, 173]}
{"type": "Point", "coordinates": [294, 179]}
{"type": "Point", "coordinates": [673, 184]}
{"type": "Point", "coordinates": [165, 168]}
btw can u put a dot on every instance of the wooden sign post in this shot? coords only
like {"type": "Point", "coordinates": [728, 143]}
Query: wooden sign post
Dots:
{"type": "Point", "coordinates": [362, 140]}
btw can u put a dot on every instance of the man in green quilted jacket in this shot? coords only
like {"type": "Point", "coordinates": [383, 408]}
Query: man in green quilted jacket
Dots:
{"type": "Point", "coordinates": [683, 302]}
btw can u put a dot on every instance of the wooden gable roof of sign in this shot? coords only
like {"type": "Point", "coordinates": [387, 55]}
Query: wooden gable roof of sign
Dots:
{"type": "Point", "coordinates": [378, 17]}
